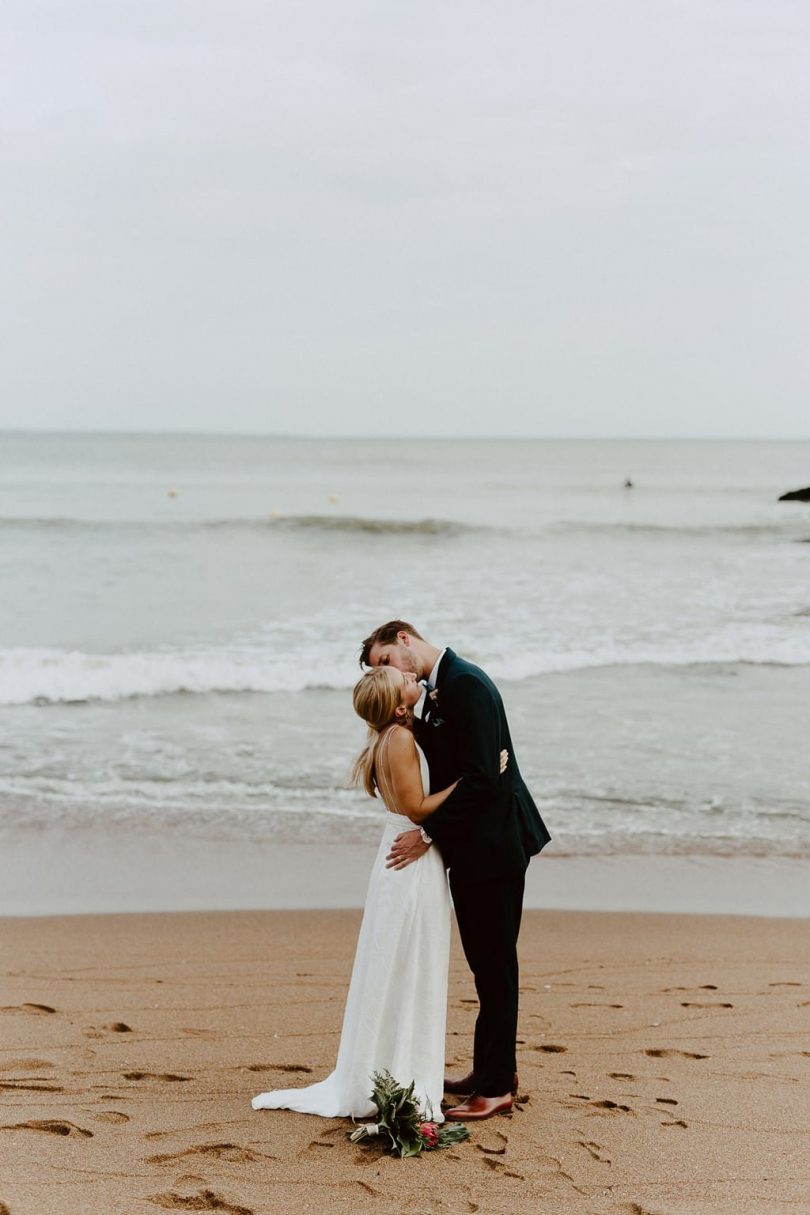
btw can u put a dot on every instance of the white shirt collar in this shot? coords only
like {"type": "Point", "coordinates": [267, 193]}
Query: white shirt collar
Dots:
{"type": "Point", "coordinates": [419, 707]}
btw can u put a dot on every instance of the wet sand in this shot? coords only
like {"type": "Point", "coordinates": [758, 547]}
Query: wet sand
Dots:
{"type": "Point", "coordinates": [664, 1069]}
{"type": "Point", "coordinates": [73, 871]}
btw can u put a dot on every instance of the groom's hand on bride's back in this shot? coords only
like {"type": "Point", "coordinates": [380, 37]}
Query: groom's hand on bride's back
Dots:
{"type": "Point", "coordinates": [406, 848]}
{"type": "Point", "coordinates": [409, 845]}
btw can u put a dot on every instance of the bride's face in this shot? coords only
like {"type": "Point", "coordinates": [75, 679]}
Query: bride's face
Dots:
{"type": "Point", "coordinates": [409, 689]}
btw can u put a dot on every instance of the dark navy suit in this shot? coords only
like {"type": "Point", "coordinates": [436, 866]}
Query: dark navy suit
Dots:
{"type": "Point", "coordinates": [487, 830]}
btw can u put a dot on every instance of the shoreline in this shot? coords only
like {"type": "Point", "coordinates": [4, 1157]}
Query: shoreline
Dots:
{"type": "Point", "coordinates": [85, 873]}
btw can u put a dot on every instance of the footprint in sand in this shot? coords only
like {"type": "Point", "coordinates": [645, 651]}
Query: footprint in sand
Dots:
{"type": "Point", "coordinates": [232, 1152]}
{"type": "Point", "coordinates": [661, 1053]}
{"type": "Point", "coordinates": [154, 1076]}
{"type": "Point", "coordinates": [551, 1048]}
{"type": "Point", "coordinates": [101, 1031]}
{"type": "Point", "coordinates": [368, 1188]}
{"type": "Point", "coordinates": [203, 1200]}
{"type": "Point", "coordinates": [786, 983]}
{"type": "Point", "coordinates": [595, 1150]}
{"type": "Point", "coordinates": [496, 1146]}
{"type": "Point", "coordinates": [666, 1101]}
{"type": "Point", "coordinates": [612, 1105]}
{"type": "Point", "coordinates": [337, 1132]}
{"type": "Point", "coordinates": [592, 1005]}
{"type": "Point", "coordinates": [38, 1009]}
{"type": "Point", "coordinates": [621, 1076]}
{"type": "Point", "coordinates": [51, 1127]}
{"type": "Point", "coordinates": [25, 1065]}
{"type": "Point", "coordinates": [702, 987]}
{"type": "Point", "coordinates": [502, 1171]}
{"type": "Point", "coordinates": [37, 1087]}
{"type": "Point", "coordinates": [278, 1067]}
{"type": "Point", "coordinates": [110, 1116]}
{"type": "Point", "coordinates": [693, 1004]}
{"type": "Point", "coordinates": [677, 1122]}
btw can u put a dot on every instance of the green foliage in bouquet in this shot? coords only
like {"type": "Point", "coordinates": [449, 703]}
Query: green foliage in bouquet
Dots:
{"type": "Point", "coordinates": [403, 1123]}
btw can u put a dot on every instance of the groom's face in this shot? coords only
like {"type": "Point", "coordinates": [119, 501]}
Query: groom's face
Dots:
{"type": "Point", "coordinates": [395, 654]}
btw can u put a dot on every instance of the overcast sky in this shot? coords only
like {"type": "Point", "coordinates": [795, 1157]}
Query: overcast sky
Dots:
{"type": "Point", "coordinates": [552, 217]}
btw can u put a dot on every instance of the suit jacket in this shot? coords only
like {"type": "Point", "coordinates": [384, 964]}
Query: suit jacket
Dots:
{"type": "Point", "coordinates": [489, 826]}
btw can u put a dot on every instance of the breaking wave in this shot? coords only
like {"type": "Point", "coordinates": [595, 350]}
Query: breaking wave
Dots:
{"type": "Point", "coordinates": [51, 676]}
{"type": "Point", "coordinates": [265, 523]}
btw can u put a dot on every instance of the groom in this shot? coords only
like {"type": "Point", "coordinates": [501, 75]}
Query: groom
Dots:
{"type": "Point", "coordinates": [487, 830]}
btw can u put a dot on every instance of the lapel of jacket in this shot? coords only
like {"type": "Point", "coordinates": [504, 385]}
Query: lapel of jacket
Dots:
{"type": "Point", "coordinates": [433, 708]}
{"type": "Point", "coordinates": [448, 658]}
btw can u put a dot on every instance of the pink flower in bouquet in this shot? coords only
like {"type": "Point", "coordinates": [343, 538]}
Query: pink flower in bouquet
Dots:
{"type": "Point", "coordinates": [430, 1133]}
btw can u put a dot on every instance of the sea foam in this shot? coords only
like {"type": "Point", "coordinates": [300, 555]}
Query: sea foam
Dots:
{"type": "Point", "coordinates": [73, 676]}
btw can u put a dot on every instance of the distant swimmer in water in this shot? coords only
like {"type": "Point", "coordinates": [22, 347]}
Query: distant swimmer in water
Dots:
{"type": "Point", "coordinates": [628, 484]}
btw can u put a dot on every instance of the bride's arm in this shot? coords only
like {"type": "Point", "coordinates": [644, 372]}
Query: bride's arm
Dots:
{"type": "Point", "coordinates": [406, 779]}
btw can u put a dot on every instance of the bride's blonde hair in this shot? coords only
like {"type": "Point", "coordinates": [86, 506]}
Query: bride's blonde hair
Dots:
{"type": "Point", "coordinates": [376, 698]}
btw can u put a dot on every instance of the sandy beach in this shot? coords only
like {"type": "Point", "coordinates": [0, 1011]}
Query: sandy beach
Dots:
{"type": "Point", "coordinates": [663, 1069]}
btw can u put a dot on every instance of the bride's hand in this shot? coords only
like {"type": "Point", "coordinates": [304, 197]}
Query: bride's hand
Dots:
{"type": "Point", "coordinates": [504, 760]}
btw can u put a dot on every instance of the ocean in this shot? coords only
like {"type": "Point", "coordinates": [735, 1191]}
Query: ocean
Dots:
{"type": "Point", "coordinates": [181, 618]}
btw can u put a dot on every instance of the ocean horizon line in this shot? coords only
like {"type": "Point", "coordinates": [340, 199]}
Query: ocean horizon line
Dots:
{"type": "Point", "coordinates": [376, 437]}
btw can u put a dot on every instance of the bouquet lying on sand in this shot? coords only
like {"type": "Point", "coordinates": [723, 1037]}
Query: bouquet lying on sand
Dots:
{"type": "Point", "coordinates": [401, 1121]}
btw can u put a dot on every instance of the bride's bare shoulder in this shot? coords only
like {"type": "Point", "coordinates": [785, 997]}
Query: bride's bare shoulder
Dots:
{"type": "Point", "coordinates": [401, 742]}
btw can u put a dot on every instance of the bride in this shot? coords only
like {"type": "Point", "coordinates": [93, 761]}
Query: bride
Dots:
{"type": "Point", "coordinates": [397, 1003]}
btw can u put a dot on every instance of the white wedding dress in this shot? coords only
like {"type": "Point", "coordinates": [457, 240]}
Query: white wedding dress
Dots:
{"type": "Point", "coordinates": [396, 1008]}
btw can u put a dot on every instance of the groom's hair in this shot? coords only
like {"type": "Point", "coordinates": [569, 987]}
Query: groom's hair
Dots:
{"type": "Point", "coordinates": [384, 635]}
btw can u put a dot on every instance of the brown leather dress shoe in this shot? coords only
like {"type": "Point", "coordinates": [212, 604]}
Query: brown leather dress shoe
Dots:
{"type": "Point", "coordinates": [477, 1107]}
{"type": "Point", "coordinates": [467, 1084]}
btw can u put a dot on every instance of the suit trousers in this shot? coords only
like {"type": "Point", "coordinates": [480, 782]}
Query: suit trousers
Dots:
{"type": "Point", "coordinates": [488, 917]}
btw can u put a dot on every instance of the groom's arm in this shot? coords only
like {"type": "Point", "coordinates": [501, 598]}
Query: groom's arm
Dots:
{"type": "Point", "coordinates": [472, 716]}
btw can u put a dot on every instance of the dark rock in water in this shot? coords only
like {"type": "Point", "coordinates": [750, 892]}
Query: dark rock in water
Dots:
{"type": "Point", "coordinates": [628, 483]}
{"type": "Point", "coordinates": [796, 495]}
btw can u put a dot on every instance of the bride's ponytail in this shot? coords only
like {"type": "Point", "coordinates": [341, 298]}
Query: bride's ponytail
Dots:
{"type": "Point", "coordinates": [376, 698]}
{"type": "Point", "coordinates": [363, 766]}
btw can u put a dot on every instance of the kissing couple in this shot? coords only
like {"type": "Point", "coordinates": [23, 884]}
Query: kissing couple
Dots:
{"type": "Point", "coordinates": [435, 722]}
